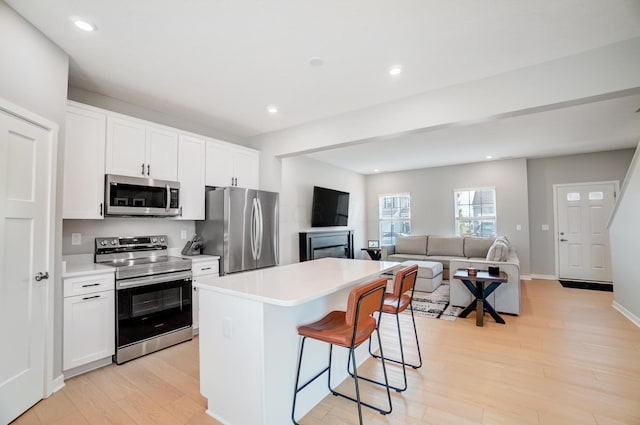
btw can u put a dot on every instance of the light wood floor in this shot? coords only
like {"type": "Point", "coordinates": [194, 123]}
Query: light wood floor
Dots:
{"type": "Point", "coordinates": [569, 358]}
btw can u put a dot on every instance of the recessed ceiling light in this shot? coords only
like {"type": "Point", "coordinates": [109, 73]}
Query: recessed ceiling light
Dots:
{"type": "Point", "coordinates": [272, 109]}
{"type": "Point", "coordinates": [316, 61]}
{"type": "Point", "coordinates": [375, 170]}
{"type": "Point", "coordinates": [84, 25]}
{"type": "Point", "coordinates": [489, 157]}
{"type": "Point", "coordinates": [395, 70]}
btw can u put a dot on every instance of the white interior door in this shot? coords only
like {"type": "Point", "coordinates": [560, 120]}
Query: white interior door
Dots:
{"type": "Point", "coordinates": [25, 227]}
{"type": "Point", "coordinates": [583, 238]}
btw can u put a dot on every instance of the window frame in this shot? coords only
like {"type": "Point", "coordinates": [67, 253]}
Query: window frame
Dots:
{"type": "Point", "coordinates": [382, 220]}
{"type": "Point", "coordinates": [479, 219]}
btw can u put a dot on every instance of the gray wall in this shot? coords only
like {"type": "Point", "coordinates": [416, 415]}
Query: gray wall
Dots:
{"type": "Point", "coordinates": [543, 173]}
{"type": "Point", "coordinates": [116, 105]}
{"type": "Point", "coordinates": [299, 175]}
{"type": "Point", "coordinates": [33, 75]}
{"type": "Point", "coordinates": [432, 205]}
{"type": "Point", "coordinates": [624, 230]}
{"type": "Point", "coordinates": [115, 226]}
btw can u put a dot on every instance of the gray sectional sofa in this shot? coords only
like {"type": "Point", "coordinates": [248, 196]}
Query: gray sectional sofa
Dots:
{"type": "Point", "coordinates": [461, 252]}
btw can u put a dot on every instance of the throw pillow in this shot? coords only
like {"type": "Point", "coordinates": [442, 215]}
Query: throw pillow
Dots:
{"type": "Point", "coordinates": [503, 239]}
{"type": "Point", "coordinates": [499, 251]}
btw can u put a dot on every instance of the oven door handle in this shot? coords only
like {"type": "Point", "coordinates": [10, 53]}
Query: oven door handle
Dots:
{"type": "Point", "coordinates": [150, 280]}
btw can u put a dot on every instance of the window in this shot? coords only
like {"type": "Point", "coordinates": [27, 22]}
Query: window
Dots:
{"type": "Point", "coordinates": [475, 212]}
{"type": "Point", "coordinates": [573, 196]}
{"type": "Point", "coordinates": [395, 216]}
{"type": "Point", "coordinates": [596, 196]}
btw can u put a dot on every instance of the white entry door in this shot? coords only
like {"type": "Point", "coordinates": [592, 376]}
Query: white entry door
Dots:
{"type": "Point", "coordinates": [583, 238]}
{"type": "Point", "coordinates": [25, 232]}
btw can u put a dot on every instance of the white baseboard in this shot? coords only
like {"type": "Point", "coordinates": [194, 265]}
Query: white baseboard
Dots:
{"type": "Point", "coordinates": [626, 313]}
{"type": "Point", "coordinates": [96, 364]}
{"type": "Point", "coordinates": [525, 277]}
{"type": "Point", "coordinates": [57, 384]}
{"type": "Point", "coordinates": [544, 276]}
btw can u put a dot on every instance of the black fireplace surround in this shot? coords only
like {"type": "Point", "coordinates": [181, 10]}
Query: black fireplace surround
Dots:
{"type": "Point", "coordinates": [330, 243]}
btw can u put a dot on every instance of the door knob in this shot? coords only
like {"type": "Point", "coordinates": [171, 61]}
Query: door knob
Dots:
{"type": "Point", "coordinates": [564, 240]}
{"type": "Point", "coordinates": [41, 276]}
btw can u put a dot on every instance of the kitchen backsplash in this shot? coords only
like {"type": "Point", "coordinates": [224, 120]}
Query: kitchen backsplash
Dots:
{"type": "Point", "coordinates": [119, 226]}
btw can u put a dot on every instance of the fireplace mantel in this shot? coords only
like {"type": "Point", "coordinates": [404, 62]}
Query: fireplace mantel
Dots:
{"type": "Point", "coordinates": [329, 243]}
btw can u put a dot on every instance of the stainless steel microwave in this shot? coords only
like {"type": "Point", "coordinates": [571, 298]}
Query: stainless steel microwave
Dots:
{"type": "Point", "coordinates": [136, 196]}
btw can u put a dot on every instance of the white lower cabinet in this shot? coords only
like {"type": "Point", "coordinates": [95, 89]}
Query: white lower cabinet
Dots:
{"type": "Point", "coordinates": [201, 267]}
{"type": "Point", "coordinates": [89, 321]}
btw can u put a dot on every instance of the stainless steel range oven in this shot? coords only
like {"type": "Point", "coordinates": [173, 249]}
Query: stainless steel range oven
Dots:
{"type": "Point", "coordinates": [153, 294]}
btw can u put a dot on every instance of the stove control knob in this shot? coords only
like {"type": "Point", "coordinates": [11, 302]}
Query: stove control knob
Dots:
{"type": "Point", "coordinates": [113, 242]}
{"type": "Point", "coordinates": [103, 243]}
{"type": "Point", "coordinates": [154, 240]}
{"type": "Point", "coordinates": [162, 240]}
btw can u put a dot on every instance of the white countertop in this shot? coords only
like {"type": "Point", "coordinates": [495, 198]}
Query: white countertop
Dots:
{"type": "Point", "coordinates": [82, 265]}
{"type": "Point", "coordinates": [201, 258]}
{"type": "Point", "coordinates": [295, 284]}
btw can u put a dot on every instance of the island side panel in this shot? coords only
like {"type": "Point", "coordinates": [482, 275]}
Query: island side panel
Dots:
{"type": "Point", "coordinates": [231, 358]}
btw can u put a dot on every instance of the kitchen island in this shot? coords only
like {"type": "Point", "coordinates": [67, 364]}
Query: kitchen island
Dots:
{"type": "Point", "coordinates": [249, 340]}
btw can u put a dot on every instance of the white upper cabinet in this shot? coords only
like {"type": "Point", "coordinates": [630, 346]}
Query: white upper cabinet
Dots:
{"type": "Point", "coordinates": [219, 164]}
{"type": "Point", "coordinates": [138, 150]}
{"type": "Point", "coordinates": [246, 163]}
{"type": "Point", "coordinates": [126, 147]}
{"type": "Point", "coordinates": [99, 142]}
{"type": "Point", "coordinates": [191, 175]}
{"type": "Point", "coordinates": [230, 165]}
{"type": "Point", "coordinates": [85, 134]}
{"type": "Point", "coordinates": [162, 151]}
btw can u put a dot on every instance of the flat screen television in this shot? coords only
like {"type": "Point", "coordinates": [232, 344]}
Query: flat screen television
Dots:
{"type": "Point", "coordinates": [330, 207]}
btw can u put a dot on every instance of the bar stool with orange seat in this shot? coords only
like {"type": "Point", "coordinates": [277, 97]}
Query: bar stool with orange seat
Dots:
{"type": "Point", "coordinates": [347, 329]}
{"type": "Point", "coordinates": [395, 303]}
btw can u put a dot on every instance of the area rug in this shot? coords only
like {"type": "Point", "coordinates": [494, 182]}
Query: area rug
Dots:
{"type": "Point", "coordinates": [594, 286]}
{"type": "Point", "coordinates": [434, 304]}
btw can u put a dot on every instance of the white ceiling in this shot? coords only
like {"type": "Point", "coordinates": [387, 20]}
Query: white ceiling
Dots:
{"type": "Point", "coordinates": [220, 63]}
{"type": "Point", "coordinates": [598, 126]}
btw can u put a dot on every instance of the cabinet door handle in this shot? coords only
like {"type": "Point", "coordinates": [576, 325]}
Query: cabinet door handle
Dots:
{"type": "Point", "coordinates": [100, 209]}
{"type": "Point", "coordinates": [148, 170]}
{"type": "Point", "coordinates": [205, 268]}
{"type": "Point", "coordinates": [564, 240]}
{"type": "Point", "coordinates": [90, 284]}
{"type": "Point", "coordinates": [90, 298]}
{"type": "Point", "coordinates": [142, 168]}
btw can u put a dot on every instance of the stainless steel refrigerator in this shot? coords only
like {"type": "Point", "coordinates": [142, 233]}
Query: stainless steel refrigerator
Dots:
{"type": "Point", "coordinates": [241, 226]}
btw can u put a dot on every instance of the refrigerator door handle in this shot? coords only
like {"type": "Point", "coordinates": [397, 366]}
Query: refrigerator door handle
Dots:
{"type": "Point", "coordinates": [253, 229]}
{"type": "Point", "coordinates": [275, 234]}
{"type": "Point", "coordinates": [259, 229]}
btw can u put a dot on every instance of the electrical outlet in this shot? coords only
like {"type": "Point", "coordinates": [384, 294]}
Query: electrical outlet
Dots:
{"type": "Point", "coordinates": [183, 234]}
{"type": "Point", "coordinates": [518, 227]}
{"type": "Point", "coordinates": [76, 239]}
{"type": "Point", "coordinates": [545, 227]}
